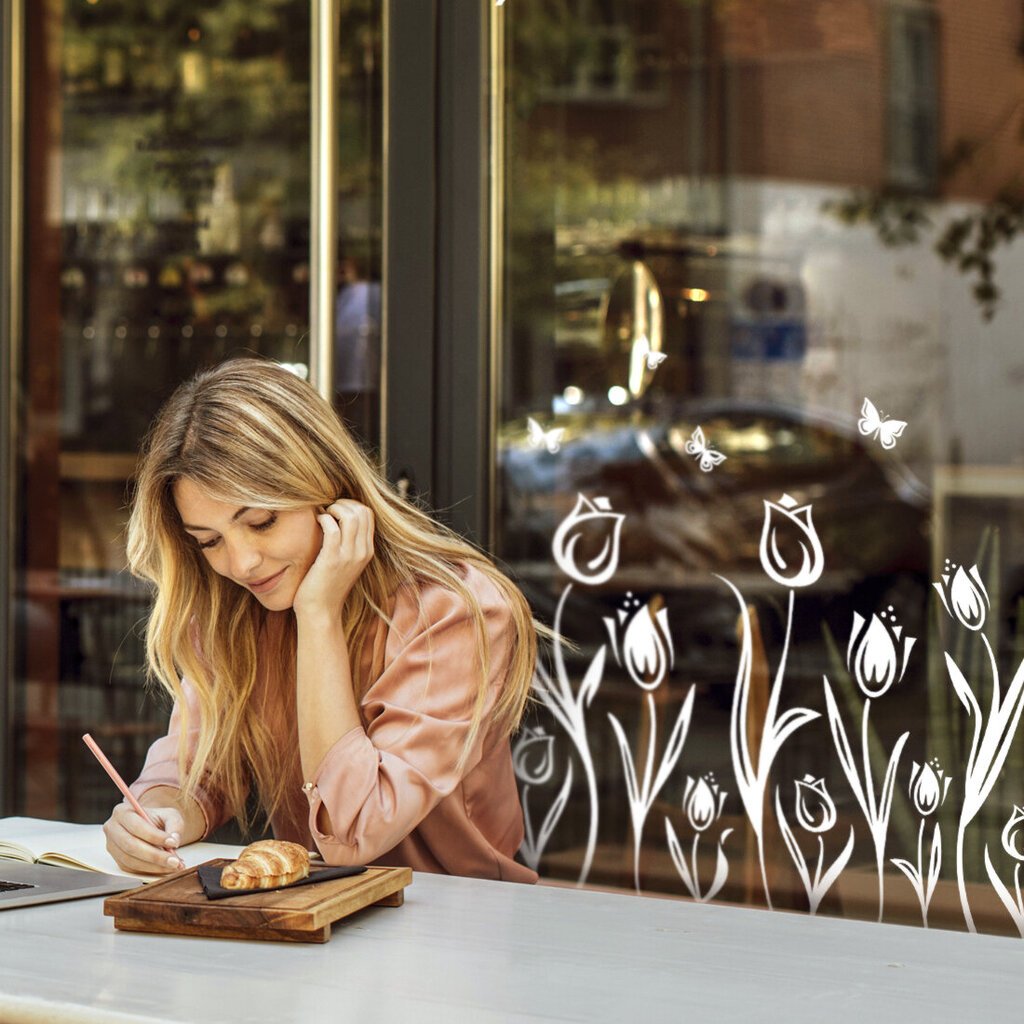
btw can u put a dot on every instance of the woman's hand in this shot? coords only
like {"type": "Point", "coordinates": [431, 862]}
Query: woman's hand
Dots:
{"type": "Point", "coordinates": [139, 847]}
{"type": "Point", "coordinates": [346, 551]}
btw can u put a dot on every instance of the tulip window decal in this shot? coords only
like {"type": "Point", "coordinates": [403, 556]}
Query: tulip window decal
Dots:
{"type": "Point", "coordinates": [928, 788]}
{"type": "Point", "coordinates": [816, 814]}
{"type": "Point", "coordinates": [533, 762]}
{"type": "Point", "coordinates": [1013, 845]}
{"type": "Point", "coordinates": [1013, 835]}
{"type": "Point", "coordinates": [966, 601]}
{"type": "Point", "coordinates": [876, 658]}
{"type": "Point", "coordinates": [532, 758]}
{"type": "Point", "coordinates": [751, 778]}
{"type": "Point", "coordinates": [703, 802]}
{"type": "Point", "coordinates": [963, 595]}
{"type": "Point", "coordinates": [878, 653]}
{"type": "Point", "coordinates": [554, 688]}
{"type": "Point", "coordinates": [645, 651]}
{"type": "Point", "coordinates": [586, 517]}
{"type": "Point", "coordinates": [815, 811]}
{"type": "Point", "coordinates": [792, 526]}
{"type": "Point", "coordinates": [586, 548]}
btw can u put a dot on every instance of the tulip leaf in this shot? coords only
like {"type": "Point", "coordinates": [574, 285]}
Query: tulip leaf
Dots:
{"type": "Point", "coordinates": [551, 819]}
{"type": "Point", "coordinates": [885, 801]}
{"type": "Point", "coordinates": [962, 688]}
{"type": "Point", "coordinates": [1013, 908]}
{"type": "Point", "coordinates": [788, 723]}
{"type": "Point", "coordinates": [675, 744]}
{"type": "Point", "coordinates": [742, 765]}
{"type": "Point", "coordinates": [592, 680]}
{"type": "Point", "coordinates": [721, 868]}
{"type": "Point", "coordinates": [795, 852]}
{"type": "Point", "coordinates": [679, 859]}
{"type": "Point", "coordinates": [842, 743]}
{"type": "Point", "coordinates": [835, 869]}
{"type": "Point", "coordinates": [910, 871]}
{"type": "Point", "coordinates": [999, 734]}
{"type": "Point", "coordinates": [627, 764]}
{"type": "Point", "coordinates": [527, 847]}
{"type": "Point", "coordinates": [934, 865]}
{"type": "Point", "coordinates": [555, 701]}
{"type": "Point", "coordinates": [552, 701]}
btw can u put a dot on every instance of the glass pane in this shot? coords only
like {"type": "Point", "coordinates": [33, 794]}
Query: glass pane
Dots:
{"type": "Point", "coordinates": [168, 229]}
{"type": "Point", "coordinates": [759, 460]}
{"type": "Point", "coordinates": [358, 312]}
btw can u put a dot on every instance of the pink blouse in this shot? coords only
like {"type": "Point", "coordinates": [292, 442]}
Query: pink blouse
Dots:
{"type": "Point", "coordinates": [389, 786]}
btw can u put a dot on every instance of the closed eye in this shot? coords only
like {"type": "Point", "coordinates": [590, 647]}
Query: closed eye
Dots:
{"type": "Point", "coordinates": [258, 527]}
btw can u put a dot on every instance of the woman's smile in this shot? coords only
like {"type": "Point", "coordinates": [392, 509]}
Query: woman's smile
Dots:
{"type": "Point", "coordinates": [266, 584]}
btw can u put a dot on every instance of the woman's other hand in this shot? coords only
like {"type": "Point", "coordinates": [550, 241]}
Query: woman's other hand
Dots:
{"type": "Point", "coordinates": [346, 551]}
{"type": "Point", "coordinates": [139, 847]}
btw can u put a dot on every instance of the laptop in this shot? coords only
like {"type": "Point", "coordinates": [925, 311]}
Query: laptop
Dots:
{"type": "Point", "coordinates": [22, 885]}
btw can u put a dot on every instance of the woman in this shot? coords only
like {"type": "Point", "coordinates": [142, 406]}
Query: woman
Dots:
{"type": "Point", "coordinates": [360, 665]}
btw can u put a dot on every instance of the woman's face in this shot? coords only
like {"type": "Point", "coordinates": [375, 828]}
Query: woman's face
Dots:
{"type": "Point", "coordinates": [267, 552]}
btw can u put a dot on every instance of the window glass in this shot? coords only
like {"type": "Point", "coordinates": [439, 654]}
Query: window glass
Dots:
{"type": "Point", "coordinates": [168, 229]}
{"type": "Point", "coordinates": [758, 461]}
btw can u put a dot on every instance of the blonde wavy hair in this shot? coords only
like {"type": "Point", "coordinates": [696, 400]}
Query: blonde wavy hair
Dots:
{"type": "Point", "coordinates": [253, 434]}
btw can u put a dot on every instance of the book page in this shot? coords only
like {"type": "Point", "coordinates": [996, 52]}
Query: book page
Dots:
{"type": "Point", "coordinates": [84, 846]}
{"type": "Point", "coordinates": [15, 851]}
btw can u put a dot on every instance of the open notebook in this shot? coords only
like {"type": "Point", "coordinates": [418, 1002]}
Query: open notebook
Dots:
{"type": "Point", "coordinates": [61, 843]}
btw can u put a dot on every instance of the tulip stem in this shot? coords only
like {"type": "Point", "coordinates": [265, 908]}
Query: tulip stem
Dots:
{"type": "Point", "coordinates": [961, 885]}
{"type": "Point", "coordinates": [530, 854]}
{"type": "Point", "coordinates": [645, 791]}
{"type": "Point", "coordinates": [573, 713]}
{"type": "Point", "coordinates": [877, 836]}
{"type": "Point", "coordinates": [766, 756]}
{"type": "Point", "coordinates": [996, 697]}
{"type": "Point", "coordinates": [1016, 885]}
{"type": "Point", "coordinates": [821, 864]}
{"type": "Point", "coordinates": [921, 883]}
{"type": "Point", "coordinates": [696, 875]}
{"type": "Point", "coordinates": [877, 833]}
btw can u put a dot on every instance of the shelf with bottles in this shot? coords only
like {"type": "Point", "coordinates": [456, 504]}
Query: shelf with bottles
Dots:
{"type": "Point", "coordinates": [184, 253]}
{"type": "Point", "coordinates": [116, 373]}
{"type": "Point", "coordinates": [115, 50]}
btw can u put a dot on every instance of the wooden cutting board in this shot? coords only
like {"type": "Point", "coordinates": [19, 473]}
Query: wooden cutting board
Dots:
{"type": "Point", "coordinates": [177, 905]}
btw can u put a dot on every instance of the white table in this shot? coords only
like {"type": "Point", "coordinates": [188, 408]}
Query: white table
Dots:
{"type": "Point", "coordinates": [463, 950]}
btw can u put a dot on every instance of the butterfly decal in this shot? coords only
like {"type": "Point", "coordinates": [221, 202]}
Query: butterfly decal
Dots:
{"type": "Point", "coordinates": [652, 359]}
{"type": "Point", "coordinates": [698, 447]}
{"type": "Point", "coordinates": [541, 438]}
{"type": "Point", "coordinates": [879, 427]}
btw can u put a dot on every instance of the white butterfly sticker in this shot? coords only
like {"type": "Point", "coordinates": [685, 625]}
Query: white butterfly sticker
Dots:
{"type": "Point", "coordinates": [541, 438]}
{"type": "Point", "coordinates": [697, 446]}
{"type": "Point", "coordinates": [873, 423]}
{"type": "Point", "coordinates": [652, 359]}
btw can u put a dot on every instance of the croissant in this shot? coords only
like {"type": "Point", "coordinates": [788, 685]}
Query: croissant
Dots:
{"type": "Point", "coordinates": [266, 865]}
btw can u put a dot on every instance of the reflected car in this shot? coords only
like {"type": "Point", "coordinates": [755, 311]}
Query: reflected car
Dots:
{"type": "Point", "coordinates": [684, 524]}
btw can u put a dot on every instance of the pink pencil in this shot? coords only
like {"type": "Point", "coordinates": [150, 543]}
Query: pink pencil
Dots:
{"type": "Point", "coordinates": [118, 781]}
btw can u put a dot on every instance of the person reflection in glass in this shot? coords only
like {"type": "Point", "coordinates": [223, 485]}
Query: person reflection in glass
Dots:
{"type": "Point", "coordinates": [357, 343]}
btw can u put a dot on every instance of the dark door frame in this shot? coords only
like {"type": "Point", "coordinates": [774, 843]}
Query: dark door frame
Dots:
{"type": "Point", "coordinates": [437, 428]}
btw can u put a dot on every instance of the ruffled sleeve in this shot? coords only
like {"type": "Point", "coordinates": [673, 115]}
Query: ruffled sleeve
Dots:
{"type": "Point", "coordinates": [380, 780]}
{"type": "Point", "coordinates": [161, 765]}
